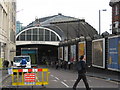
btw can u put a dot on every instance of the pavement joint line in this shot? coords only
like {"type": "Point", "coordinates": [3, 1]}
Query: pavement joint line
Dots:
{"type": "Point", "coordinates": [69, 80]}
{"type": "Point", "coordinates": [106, 79]}
{"type": "Point", "coordinates": [64, 84]}
{"type": "Point", "coordinates": [110, 79]}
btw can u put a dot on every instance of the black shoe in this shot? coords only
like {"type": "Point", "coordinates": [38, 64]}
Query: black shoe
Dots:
{"type": "Point", "coordinates": [74, 88]}
{"type": "Point", "coordinates": [89, 89]}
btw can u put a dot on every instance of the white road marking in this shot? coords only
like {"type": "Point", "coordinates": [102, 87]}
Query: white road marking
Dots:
{"type": "Point", "coordinates": [54, 80]}
{"type": "Point", "coordinates": [64, 84]}
{"type": "Point", "coordinates": [51, 75]}
{"type": "Point", "coordinates": [57, 78]}
{"type": "Point", "coordinates": [64, 80]}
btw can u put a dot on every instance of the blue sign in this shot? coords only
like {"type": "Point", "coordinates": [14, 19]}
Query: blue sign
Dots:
{"type": "Point", "coordinates": [113, 45]}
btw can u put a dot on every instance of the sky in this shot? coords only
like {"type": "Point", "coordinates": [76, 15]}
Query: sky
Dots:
{"type": "Point", "coordinates": [28, 10]}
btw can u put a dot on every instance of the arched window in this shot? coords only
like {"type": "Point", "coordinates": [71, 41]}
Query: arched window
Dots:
{"type": "Point", "coordinates": [38, 34]}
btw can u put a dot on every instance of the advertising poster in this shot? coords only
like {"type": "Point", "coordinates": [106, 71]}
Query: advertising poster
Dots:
{"type": "Point", "coordinates": [98, 53]}
{"type": "Point", "coordinates": [119, 53]}
{"type": "Point", "coordinates": [66, 53]}
{"type": "Point", "coordinates": [113, 53]}
{"type": "Point", "coordinates": [73, 53]}
{"type": "Point", "coordinates": [81, 49]}
{"type": "Point", "coordinates": [60, 53]}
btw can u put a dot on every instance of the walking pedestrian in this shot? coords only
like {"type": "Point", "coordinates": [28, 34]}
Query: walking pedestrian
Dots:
{"type": "Point", "coordinates": [69, 64]}
{"type": "Point", "coordinates": [57, 65]}
{"type": "Point", "coordinates": [81, 68]}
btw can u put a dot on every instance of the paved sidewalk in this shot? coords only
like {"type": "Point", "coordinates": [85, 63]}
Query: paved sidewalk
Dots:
{"type": "Point", "coordinates": [104, 74]}
{"type": "Point", "coordinates": [3, 75]}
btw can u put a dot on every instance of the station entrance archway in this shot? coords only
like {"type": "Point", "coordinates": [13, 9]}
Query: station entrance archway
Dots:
{"type": "Point", "coordinates": [39, 53]}
{"type": "Point", "coordinates": [39, 42]}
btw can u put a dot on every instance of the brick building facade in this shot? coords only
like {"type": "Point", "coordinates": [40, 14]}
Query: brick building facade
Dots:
{"type": "Point", "coordinates": [115, 4]}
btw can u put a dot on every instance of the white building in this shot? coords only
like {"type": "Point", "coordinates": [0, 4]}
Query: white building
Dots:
{"type": "Point", "coordinates": [7, 30]}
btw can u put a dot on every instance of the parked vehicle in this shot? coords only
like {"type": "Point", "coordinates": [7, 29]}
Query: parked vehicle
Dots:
{"type": "Point", "coordinates": [17, 61]}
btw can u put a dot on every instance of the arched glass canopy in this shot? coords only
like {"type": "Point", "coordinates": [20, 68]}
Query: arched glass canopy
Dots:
{"type": "Point", "coordinates": [38, 34]}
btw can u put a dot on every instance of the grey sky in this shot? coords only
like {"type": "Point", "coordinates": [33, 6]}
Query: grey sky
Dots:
{"type": "Point", "coordinates": [87, 9]}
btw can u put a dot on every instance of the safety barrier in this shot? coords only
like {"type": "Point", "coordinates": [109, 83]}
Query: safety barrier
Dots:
{"type": "Point", "coordinates": [35, 76]}
{"type": "Point", "coordinates": [1, 62]}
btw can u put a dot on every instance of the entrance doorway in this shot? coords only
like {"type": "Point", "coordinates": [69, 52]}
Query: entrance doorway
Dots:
{"type": "Point", "coordinates": [32, 52]}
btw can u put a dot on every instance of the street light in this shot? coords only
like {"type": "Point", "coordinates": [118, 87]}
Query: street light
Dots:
{"type": "Point", "coordinates": [100, 20]}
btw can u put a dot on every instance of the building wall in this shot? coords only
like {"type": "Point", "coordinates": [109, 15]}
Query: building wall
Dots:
{"type": "Point", "coordinates": [7, 30]}
{"type": "Point", "coordinates": [19, 27]}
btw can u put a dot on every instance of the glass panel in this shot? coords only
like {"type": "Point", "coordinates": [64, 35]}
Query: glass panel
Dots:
{"type": "Point", "coordinates": [28, 37]}
{"type": "Point", "coordinates": [40, 31]}
{"type": "Point", "coordinates": [34, 37]}
{"type": "Point", "coordinates": [53, 36]}
{"type": "Point", "coordinates": [29, 32]}
{"type": "Point", "coordinates": [40, 36]}
{"type": "Point", "coordinates": [58, 39]}
{"type": "Point", "coordinates": [35, 31]}
{"type": "Point", "coordinates": [22, 37]}
{"type": "Point", "coordinates": [23, 33]}
{"type": "Point", "coordinates": [47, 36]}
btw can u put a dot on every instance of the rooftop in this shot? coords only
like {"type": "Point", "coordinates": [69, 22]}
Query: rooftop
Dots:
{"type": "Point", "coordinates": [66, 26]}
{"type": "Point", "coordinates": [112, 2]}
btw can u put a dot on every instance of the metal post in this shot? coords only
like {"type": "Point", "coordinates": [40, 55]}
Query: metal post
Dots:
{"type": "Point", "coordinates": [99, 22]}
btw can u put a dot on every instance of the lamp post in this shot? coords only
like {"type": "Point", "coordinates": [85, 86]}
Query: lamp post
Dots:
{"type": "Point", "coordinates": [100, 20]}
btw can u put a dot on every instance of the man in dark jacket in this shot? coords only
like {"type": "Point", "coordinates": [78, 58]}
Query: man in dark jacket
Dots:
{"type": "Point", "coordinates": [81, 67]}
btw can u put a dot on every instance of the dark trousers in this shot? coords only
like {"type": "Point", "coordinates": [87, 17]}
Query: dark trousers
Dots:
{"type": "Point", "coordinates": [83, 77]}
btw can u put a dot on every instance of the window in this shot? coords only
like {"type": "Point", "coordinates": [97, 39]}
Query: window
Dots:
{"type": "Point", "coordinates": [34, 37]}
{"type": "Point", "coordinates": [28, 32]}
{"type": "Point", "coordinates": [53, 37]}
{"type": "Point", "coordinates": [40, 37]}
{"type": "Point", "coordinates": [116, 10]}
{"type": "Point", "coordinates": [116, 24]}
{"type": "Point", "coordinates": [34, 31]}
{"type": "Point", "coordinates": [47, 36]}
{"type": "Point", "coordinates": [58, 39]}
{"type": "Point", "coordinates": [28, 37]}
{"type": "Point", "coordinates": [22, 36]}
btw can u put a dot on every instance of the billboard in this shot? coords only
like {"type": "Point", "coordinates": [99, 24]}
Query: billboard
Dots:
{"type": "Point", "coordinates": [66, 53]}
{"type": "Point", "coordinates": [73, 53]}
{"type": "Point", "coordinates": [81, 49]}
{"type": "Point", "coordinates": [114, 53]}
{"type": "Point", "coordinates": [98, 53]}
{"type": "Point", "coordinates": [60, 53]}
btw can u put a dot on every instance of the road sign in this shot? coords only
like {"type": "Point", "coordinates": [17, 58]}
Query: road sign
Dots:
{"type": "Point", "coordinates": [30, 78]}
